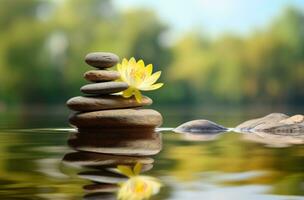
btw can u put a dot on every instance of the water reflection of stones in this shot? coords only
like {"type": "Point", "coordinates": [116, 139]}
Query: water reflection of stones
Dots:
{"type": "Point", "coordinates": [95, 160]}
{"type": "Point", "coordinates": [117, 141]}
{"type": "Point", "coordinates": [272, 140]}
{"type": "Point", "coordinates": [200, 136]}
{"type": "Point", "coordinates": [99, 152]}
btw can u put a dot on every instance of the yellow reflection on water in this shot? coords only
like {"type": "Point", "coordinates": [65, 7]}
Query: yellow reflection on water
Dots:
{"type": "Point", "coordinates": [137, 187]}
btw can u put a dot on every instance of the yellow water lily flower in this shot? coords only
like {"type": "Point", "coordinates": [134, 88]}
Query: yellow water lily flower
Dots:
{"type": "Point", "coordinates": [138, 76]}
{"type": "Point", "coordinates": [137, 187]}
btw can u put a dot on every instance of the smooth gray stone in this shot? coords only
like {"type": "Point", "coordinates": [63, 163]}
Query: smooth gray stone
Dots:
{"type": "Point", "coordinates": [117, 118]}
{"type": "Point", "coordinates": [200, 126]}
{"type": "Point", "coordinates": [275, 123]}
{"type": "Point", "coordinates": [104, 88]}
{"type": "Point", "coordinates": [105, 102]}
{"type": "Point", "coordinates": [101, 59]}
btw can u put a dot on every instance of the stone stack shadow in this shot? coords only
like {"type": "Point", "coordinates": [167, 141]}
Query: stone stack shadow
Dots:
{"type": "Point", "coordinates": [110, 130]}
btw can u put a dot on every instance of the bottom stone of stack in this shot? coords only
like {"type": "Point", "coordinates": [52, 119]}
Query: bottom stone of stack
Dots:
{"type": "Point", "coordinates": [117, 118]}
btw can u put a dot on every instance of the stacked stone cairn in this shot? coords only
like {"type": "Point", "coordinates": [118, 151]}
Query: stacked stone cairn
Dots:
{"type": "Point", "coordinates": [102, 107]}
{"type": "Point", "coordinates": [111, 130]}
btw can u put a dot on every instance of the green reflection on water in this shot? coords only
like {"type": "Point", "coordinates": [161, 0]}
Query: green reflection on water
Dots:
{"type": "Point", "coordinates": [31, 167]}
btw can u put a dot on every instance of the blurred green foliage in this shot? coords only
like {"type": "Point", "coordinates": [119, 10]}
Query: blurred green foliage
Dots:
{"type": "Point", "coordinates": [43, 43]}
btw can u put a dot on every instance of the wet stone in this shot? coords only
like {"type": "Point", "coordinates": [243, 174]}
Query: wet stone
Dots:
{"type": "Point", "coordinates": [117, 118]}
{"type": "Point", "coordinates": [101, 59]}
{"type": "Point", "coordinates": [104, 87]}
{"type": "Point", "coordinates": [200, 126]}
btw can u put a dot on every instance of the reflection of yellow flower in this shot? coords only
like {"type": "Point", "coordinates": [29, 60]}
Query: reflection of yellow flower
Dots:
{"type": "Point", "coordinates": [138, 76]}
{"type": "Point", "coordinates": [137, 187]}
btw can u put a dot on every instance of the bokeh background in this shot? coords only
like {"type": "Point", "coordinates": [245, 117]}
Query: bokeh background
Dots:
{"type": "Point", "coordinates": [220, 52]}
{"type": "Point", "coordinates": [222, 60]}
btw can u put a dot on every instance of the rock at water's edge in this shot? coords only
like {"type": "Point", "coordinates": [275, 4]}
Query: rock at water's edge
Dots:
{"type": "Point", "coordinates": [276, 123]}
{"type": "Point", "coordinates": [117, 118]}
{"type": "Point", "coordinates": [200, 126]}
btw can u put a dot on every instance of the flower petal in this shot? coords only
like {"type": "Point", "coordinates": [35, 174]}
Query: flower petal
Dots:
{"type": "Point", "coordinates": [152, 87]}
{"type": "Point", "coordinates": [141, 63]}
{"type": "Point", "coordinates": [132, 61]}
{"type": "Point", "coordinates": [128, 92]}
{"type": "Point", "coordinates": [124, 62]}
{"type": "Point", "coordinates": [152, 79]}
{"type": "Point", "coordinates": [119, 67]}
{"type": "Point", "coordinates": [149, 69]}
{"type": "Point", "coordinates": [126, 170]}
{"type": "Point", "coordinates": [138, 96]}
{"type": "Point", "coordinates": [123, 70]}
{"type": "Point", "coordinates": [137, 168]}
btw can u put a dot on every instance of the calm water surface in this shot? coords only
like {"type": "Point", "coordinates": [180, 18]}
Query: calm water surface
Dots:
{"type": "Point", "coordinates": [228, 166]}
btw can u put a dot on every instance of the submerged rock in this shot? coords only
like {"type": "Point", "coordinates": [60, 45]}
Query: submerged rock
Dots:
{"type": "Point", "coordinates": [200, 126]}
{"type": "Point", "coordinates": [275, 123]}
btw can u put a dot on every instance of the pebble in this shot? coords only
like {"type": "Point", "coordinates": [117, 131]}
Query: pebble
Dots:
{"type": "Point", "coordinates": [117, 118]}
{"type": "Point", "coordinates": [101, 75]}
{"type": "Point", "coordinates": [105, 102]}
{"type": "Point", "coordinates": [101, 59]}
{"type": "Point", "coordinates": [200, 126]}
{"type": "Point", "coordinates": [104, 87]}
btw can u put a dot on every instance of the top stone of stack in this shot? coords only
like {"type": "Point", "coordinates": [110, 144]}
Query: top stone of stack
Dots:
{"type": "Point", "coordinates": [101, 60]}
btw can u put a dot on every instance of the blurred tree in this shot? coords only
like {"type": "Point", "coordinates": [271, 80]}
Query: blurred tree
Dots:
{"type": "Point", "coordinates": [265, 67]}
{"type": "Point", "coordinates": [43, 44]}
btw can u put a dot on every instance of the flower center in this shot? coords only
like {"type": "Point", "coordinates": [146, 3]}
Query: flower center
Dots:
{"type": "Point", "coordinates": [140, 187]}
